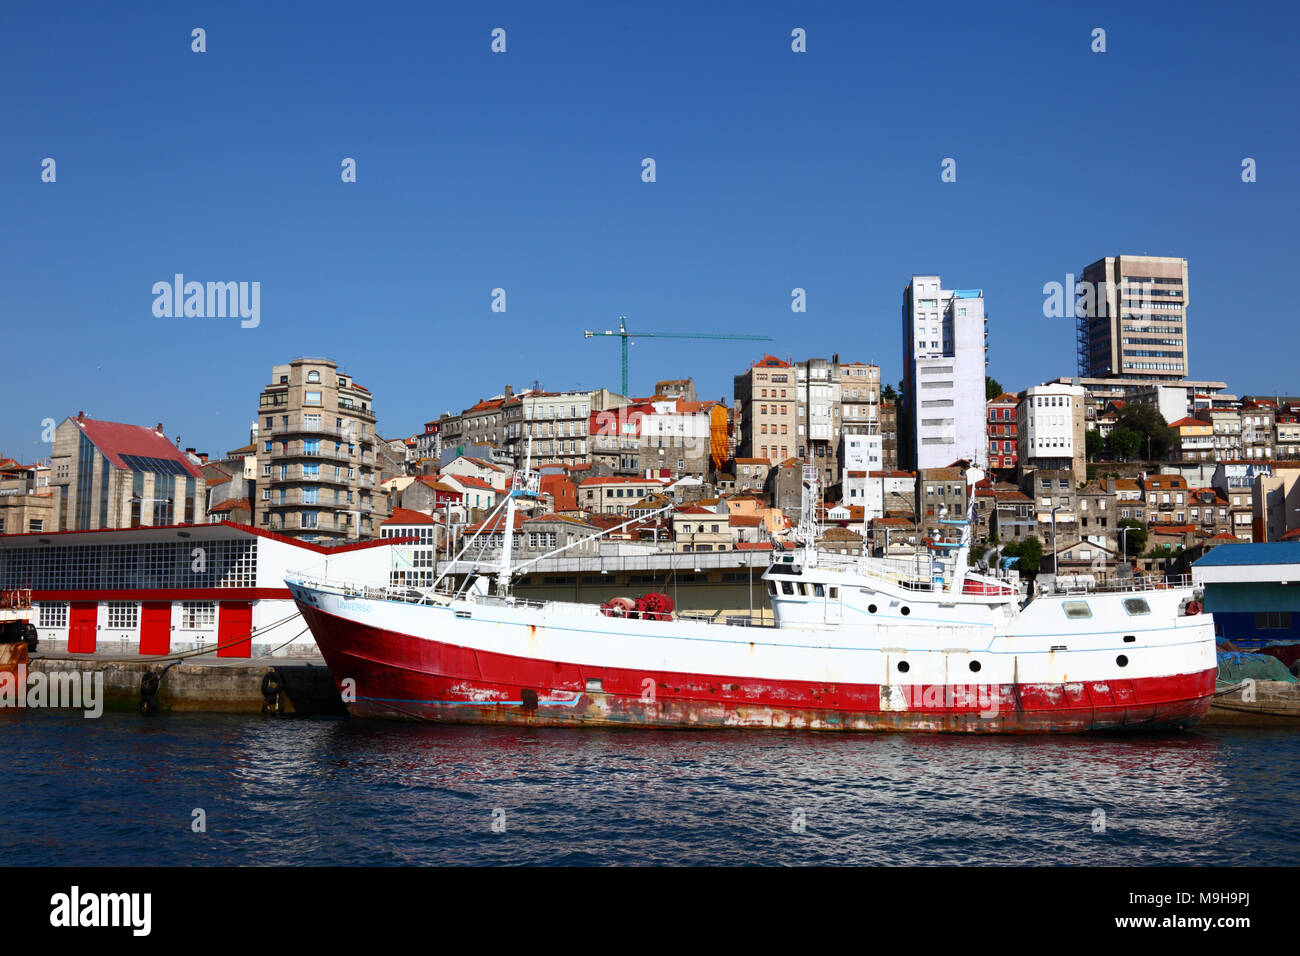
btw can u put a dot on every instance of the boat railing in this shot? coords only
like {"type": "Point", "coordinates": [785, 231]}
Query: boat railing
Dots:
{"type": "Point", "coordinates": [1138, 582]}
{"type": "Point", "coordinates": [347, 588]}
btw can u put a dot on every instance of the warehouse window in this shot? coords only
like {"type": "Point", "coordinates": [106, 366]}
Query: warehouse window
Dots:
{"type": "Point", "coordinates": [198, 615]}
{"type": "Point", "coordinates": [54, 614]}
{"type": "Point", "coordinates": [123, 615]}
{"type": "Point", "coordinates": [1273, 621]}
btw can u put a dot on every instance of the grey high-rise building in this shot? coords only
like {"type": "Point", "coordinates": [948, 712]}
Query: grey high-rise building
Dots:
{"type": "Point", "coordinates": [1131, 318]}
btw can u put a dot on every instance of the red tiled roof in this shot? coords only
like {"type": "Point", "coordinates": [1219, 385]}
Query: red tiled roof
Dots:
{"type": "Point", "coordinates": [469, 481]}
{"type": "Point", "coordinates": [753, 545]}
{"type": "Point", "coordinates": [408, 516]}
{"type": "Point", "coordinates": [696, 510]}
{"type": "Point", "coordinates": [1189, 421]}
{"type": "Point", "coordinates": [115, 439]}
{"type": "Point", "coordinates": [745, 521]}
{"type": "Point", "coordinates": [231, 504]}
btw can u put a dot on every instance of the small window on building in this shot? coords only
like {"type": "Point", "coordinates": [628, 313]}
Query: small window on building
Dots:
{"type": "Point", "coordinates": [1273, 621]}
{"type": "Point", "coordinates": [1077, 609]}
{"type": "Point", "coordinates": [1136, 606]}
{"type": "Point", "coordinates": [197, 615]}
{"type": "Point", "coordinates": [53, 614]}
{"type": "Point", "coordinates": [123, 615]}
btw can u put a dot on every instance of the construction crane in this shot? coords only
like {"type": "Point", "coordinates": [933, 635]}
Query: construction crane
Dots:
{"type": "Point", "coordinates": [624, 335]}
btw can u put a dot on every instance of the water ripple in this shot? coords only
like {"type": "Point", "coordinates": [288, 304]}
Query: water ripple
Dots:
{"type": "Point", "coordinates": [122, 790]}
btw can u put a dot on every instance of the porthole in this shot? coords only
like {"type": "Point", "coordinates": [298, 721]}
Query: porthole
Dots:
{"type": "Point", "coordinates": [1122, 661]}
{"type": "Point", "coordinates": [1130, 638]}
{"type": "Point", "coordinates": [871, 609]}
{"type": "Point", "coordinates": [904, 667]}
{"type": "Point", "coordinates": [906, 611]}
{"type": "Point", "coordinates": [975, 665]}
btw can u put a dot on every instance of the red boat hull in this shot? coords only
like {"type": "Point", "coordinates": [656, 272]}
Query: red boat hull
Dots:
{"type": "Point", "coordinates": [397, 676]}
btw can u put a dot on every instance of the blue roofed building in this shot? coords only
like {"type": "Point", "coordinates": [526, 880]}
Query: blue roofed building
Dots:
{"type": "Point", "coordinates": [1253, 591]}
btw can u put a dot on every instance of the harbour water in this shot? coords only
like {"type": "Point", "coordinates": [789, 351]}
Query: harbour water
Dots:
{"type": "Point", "coordinates": [125, 790]}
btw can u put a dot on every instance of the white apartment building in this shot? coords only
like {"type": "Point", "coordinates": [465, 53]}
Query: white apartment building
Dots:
{"type": "Point", "coordinates": [863, 453]}
{"type": "Point", "coordinates": [943, 372]}
{"type": "Point", "coordinates": [1050, 428]}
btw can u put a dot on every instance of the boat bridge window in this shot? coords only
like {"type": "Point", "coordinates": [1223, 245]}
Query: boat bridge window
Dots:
{"type": "Point", "coordinates": [835, 593]}
{"type": "Point", "coordinates": [1137, 606]}
{"type": "Point", "coordinates": [771, 588]}
{"type": "Point", "coordinates": [803, 589]}
{"type": "Point", "coordinates": [1077, 609]}
{"type": "Point", "coordinates": [787, 587]}
{"type": "Point", "coordinates": [819, 591]}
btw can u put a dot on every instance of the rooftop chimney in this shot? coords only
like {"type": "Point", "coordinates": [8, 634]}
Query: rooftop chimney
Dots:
{"type": "Point", "coordinates": [81, 416]}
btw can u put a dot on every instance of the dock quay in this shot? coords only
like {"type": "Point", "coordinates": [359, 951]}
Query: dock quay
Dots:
{"type": "Point", "coordinates": [1265, 703]}
{"type": "Point", "coordinates": [272, 686]}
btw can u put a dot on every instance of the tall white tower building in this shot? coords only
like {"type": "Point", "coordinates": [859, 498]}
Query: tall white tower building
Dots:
{"type": "Point", "coordinates": [943, 373]}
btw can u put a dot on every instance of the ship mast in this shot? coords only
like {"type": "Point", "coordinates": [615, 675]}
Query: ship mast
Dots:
{"type": "Point", "coordinates": [523, 484]}
{"type": "Point", "coordinates": [808, 529]}
{"type": "Point", "coordinates": [961, 555]}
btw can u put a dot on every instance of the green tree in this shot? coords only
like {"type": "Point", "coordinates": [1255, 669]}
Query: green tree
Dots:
{"type": "Point", "coordinates": [1031, 556]}
{"type": "Point", "coordinates": [1155, 438]}
{"type": "Point", "coordinates": [1094, 444]}
{"type": "Point", "coordinates": [889, 394]}
{"type": "Point", "coordinates": [1135, 539]}
{"type": "Point", "coordinates": [1123, 443]}
{"type": "Point", "coordinates": [992, 388]}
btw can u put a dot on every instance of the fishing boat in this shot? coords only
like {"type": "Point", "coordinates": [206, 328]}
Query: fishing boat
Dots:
{"type": "Point", "coordinates": [857, 643]}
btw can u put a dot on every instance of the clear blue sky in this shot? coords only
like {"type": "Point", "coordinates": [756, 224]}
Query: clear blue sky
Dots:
{"type": "Point", "coordinates": [523, 171]}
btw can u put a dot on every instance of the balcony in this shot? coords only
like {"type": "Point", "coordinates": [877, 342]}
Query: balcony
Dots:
{"type": "Point", "coordinates": [326, 451]}
{"type": "Point", "coordinates": [303, 428]}
{"type": "Point", "coordinates": [358, 412]}
{"type": "Point", "coordinates": [324, 477]}
{"type": "Point", "coordinates": [322, 525]}
{"type": "Point", "coordinates": [296, 499]}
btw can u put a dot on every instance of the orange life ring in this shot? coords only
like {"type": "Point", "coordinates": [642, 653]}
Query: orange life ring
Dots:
{"type": "Point", "coordinates": [1193, 607]}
